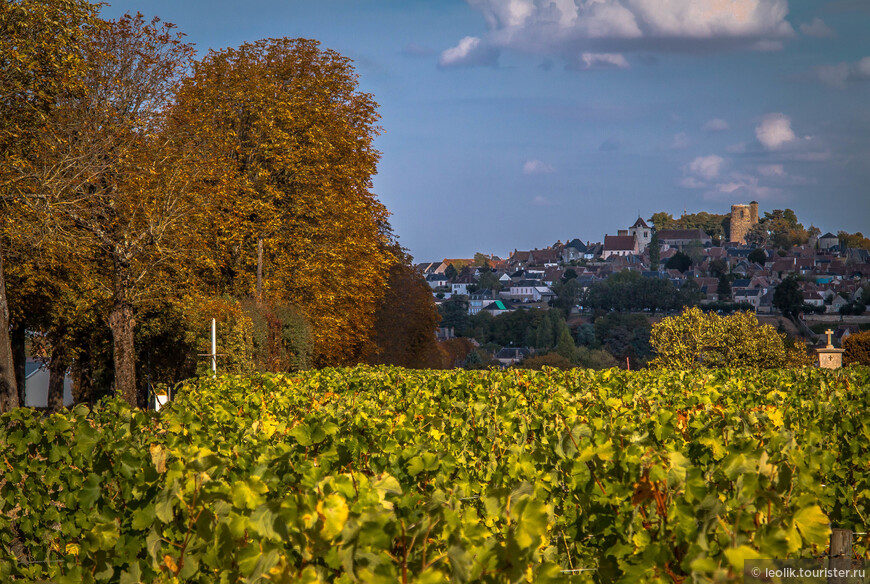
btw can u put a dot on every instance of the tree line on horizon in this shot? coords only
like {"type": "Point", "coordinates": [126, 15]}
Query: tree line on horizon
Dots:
{"type": "Point", "coordinates": [145, 191]}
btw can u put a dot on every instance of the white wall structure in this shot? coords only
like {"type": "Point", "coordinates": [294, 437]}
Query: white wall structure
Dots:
{"type": "Point", "coordinates": [36, 389]}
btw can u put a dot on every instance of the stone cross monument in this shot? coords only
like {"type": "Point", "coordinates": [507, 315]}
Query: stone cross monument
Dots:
{"type": "Point", "coordinates": [829, 357]}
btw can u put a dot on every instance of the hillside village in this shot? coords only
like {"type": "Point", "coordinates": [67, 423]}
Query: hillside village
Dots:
{"type": "Point", "coordinates": [728, 274]}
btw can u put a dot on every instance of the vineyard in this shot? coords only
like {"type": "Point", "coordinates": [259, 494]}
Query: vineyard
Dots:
{"type": "Point", "coordinates": [393, 475]}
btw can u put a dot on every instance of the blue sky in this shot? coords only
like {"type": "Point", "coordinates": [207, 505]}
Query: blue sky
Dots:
{"type": "Point", "coordinates": [515, 123]}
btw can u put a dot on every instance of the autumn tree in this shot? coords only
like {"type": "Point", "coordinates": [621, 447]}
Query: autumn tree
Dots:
{"type": "Point", "coordinates": [114, 173]}
{"type": "Point", "coordinates": [857, 349]}
{"type": "Point", "coordinates": [405, 321]}
{"type": "Point", "coordinates": [696, 339]}
{"type": "Point", "coordinates": [296, 221]}
{"type": "Point", "coordinates": [40, 57]}
{"type": "Point", "coordinates": [481, 260]}
{"type": "Point", "coordinates": [778, 228]}
{"type": "Point", "coordinates": [853, 240]}
{"type": "Point", "coordinates": [712, 224]}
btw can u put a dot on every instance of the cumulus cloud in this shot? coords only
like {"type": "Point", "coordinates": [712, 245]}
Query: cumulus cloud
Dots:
{"type": "Point", "coordinates": [470, 51]}
{"type": "Point", "coordinates": [817, 28]}
{"type": "Point", "coordinates": [774, 131]}
{"type": "Point", "coordinates": [706, 167]}
{"type": "Point", "coordinates": [743, 189]}
{"type": "Point", "coordinates": [599, 61]}
{"type": "Point", "coordinates": [690, 182]}
{"type": "Point", "coordinates": [715, 125]}
{"type": "Point", "coordinates": [572, 27]}
{"type": "Point", "coordinates": [841, 75]}
{"type": "Point", "coordinates": [738, 148]}
{"type": "Point", "coordinates": [537, 167]}
{"type": "Point", "coordinates": [771, 170]}
{"type": "Point", "coordinates": [740, 185]}
{"type": "Point", "coordinates": [680, 141]}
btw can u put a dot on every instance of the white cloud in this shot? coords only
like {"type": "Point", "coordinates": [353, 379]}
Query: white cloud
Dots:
{"type": "Point", "coordinates": [715, 125]}
{"type": "Point", "coordinates": [744, 186]}
{"type": "Point", "coordinates": [537, 167]}
{"type": "Point", "coordinates": [706, 167]}
{"type": "Point", "coordinates": [573, 27]}
{"type": "Point", "coordinates": [738, 148]}
{"type": "Point", "coordinates": [603, 61]}
{"type": "Point", "coordinates": [470, 51]}
{"type": "Point", "coordinates": [541, 201]}
{"type": "Point", "coordinates": [833, 75]}
{"type": "Point", "coordinates": [817, 28]}
{"type": "Point", "coordinates": [774, 131]}
{"type": "Point", "coordinates": [728, 187]}
{"type": "Point", "coordinates": [840, 75]}
{"type": "Point", "coordinates": [680, 141]}
{"type": "Point", "coordinates": [771, 170]}
{"type": "Point", "coordinates": [691, 182]}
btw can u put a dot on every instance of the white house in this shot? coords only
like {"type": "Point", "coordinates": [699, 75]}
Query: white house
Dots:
{"type": "Point", "coordinates": [36, 387]}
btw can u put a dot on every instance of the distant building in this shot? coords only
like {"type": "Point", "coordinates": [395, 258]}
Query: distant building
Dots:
{"type": "Point", "coordinates": [620, 245]}
{"type": "Point", "coordinates": [828, 240]}
{"type": "Point", "coordinates": [36, 386]}
{"type": "Point", "coordinates": [511, 356]}
{"type": "Point", "coordinates": [478, 300]}
{"type": "Point", "coordinates": [574, 250]}
{"type": "Point", "coordinates": [642, 232]}
{"type": "Point", "coordinates": [679, 238]}
{"type": "Point", "coordinates": [743, 218]}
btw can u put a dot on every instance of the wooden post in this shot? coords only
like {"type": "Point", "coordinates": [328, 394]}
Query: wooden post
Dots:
{"type": "Point", "coordinates": [840, 555]}
{"type": "Point", "coordinates": [213, 347]}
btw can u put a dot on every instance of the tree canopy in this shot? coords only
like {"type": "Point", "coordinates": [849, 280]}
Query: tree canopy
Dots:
{"type": "Point", "coordinates": [157, 188]}
{"type": "Point", "coordinates": [288, 118]}
{"type": "Point", "coordinates": [778, 228]}
{"type": "Point", "coordinates": [716, 226]}
{"type": "Point", "coordinates": [696, 339]}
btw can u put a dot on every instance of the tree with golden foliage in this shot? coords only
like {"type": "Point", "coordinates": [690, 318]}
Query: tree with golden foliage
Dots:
{"type": "Point", "coordinates": [696, 339]}
{"type": "Point", "coordinates": [297, 221]}
{"type": "Point", "coordinates": [116, 179]}
{"type": "Point", "coordinates": [40, 57]}
{"type": "Point", "coordinates": [857, 349]}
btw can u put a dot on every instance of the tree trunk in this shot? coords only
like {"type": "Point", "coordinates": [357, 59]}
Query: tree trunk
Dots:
{"type": "Point", "coordinates": [19, 359]}
{"type": "Point", "coordinates": [56, 376]}
{"type": "Point", "coordinates": [8, 386]}
{"type": "Point", "coordinates": [260, 269]}
{"type": "Point", "coordinates": [83, 384]}
{"type": "Point", "coordinates": [122, 321]}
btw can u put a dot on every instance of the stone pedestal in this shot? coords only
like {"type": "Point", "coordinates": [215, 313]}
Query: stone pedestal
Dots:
{"type": "Point", "coordinates": [830, 357]}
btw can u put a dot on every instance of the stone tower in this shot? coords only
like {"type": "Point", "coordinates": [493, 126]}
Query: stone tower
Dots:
{"type": "Point", "coordinates": [743, 217]}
